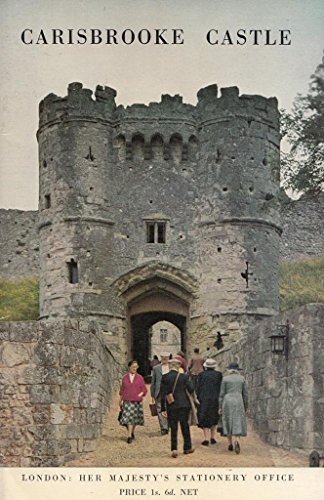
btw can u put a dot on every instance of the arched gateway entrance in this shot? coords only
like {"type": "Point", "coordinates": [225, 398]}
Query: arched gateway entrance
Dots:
{"type": "Point", "coordinates": [144, 314]}
{"type": "Point", "coordinates": [152, 293]}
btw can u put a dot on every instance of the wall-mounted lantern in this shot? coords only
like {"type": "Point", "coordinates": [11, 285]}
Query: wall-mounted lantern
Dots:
{"type": "Point", "coordinates": [280, 340]}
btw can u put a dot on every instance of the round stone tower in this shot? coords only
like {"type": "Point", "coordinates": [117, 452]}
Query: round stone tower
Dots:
{"type": "Point", "coordinates": [76, 228]}
{"type": "Point", "coordinates": [239, 213]}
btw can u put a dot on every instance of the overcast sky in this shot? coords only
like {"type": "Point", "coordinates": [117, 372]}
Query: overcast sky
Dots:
{"type": "Point", "coordinates": [141, 73]}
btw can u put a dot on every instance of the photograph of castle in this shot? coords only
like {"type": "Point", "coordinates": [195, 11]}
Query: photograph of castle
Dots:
{"type": "Point", "coordinates": [161, 226]}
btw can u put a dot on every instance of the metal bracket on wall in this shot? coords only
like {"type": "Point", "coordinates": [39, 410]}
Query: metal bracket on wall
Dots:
{"type": "Point", "coordinates": [245, 275]}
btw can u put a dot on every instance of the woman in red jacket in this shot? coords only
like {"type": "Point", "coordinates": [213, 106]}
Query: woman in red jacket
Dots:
{"type": "Point", "coordinates": [132, 391]}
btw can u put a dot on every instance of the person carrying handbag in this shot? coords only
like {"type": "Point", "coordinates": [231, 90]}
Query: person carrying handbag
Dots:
{"type": "Point", "coordinates": [176, 406]}
{"type": "Point", "coordinates": [132, 391]}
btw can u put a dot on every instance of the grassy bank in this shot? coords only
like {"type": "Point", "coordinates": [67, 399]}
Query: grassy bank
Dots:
{"type": "Point", "coordinates": [301, 282]}
{"type": "Point", "coordinates": [19, 299]}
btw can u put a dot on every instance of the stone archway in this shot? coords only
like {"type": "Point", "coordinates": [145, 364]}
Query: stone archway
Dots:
{"type": "Point", "coordinates": [155, 303]}
{"type": "Point", "coordinates": [140, 334]}
{"type": "Point", "coordinates": [151, 293]}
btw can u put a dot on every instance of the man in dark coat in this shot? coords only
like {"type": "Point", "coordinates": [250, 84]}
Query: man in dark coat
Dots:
{"type": "Point", "coordinates": [178, 411]}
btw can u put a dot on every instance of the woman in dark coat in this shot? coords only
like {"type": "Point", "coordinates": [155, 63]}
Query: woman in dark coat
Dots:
{"type": "Point", "coordinates": [208, 388]}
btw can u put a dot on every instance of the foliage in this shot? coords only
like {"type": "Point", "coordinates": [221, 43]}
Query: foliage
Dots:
{"type": "Point", "coordinates": [301, 282]}
{"type": "Point", "coordinates": [19, 299]}
{"type": "Point", "coordinates": [303, 166]}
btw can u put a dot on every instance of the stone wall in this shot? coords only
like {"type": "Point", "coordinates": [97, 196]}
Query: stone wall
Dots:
{"type": "Point", "coordinates": [171, 342]}
{"type": "Point", "coordinates": [286, 398]}
{"type": "Point", "coordinates": [302, 237]}
{"type": "Point", "coordinates": [56, 382]}
{"type": "Point", "coordinates": [302, 224]}
{"type": "Point", "coordinates": [19, 244]}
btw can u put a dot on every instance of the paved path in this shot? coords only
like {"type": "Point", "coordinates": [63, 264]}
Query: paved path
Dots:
{"type": "Point", "coordinates": [150, 449]}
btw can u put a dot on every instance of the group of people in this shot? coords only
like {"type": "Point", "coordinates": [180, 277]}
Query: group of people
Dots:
{"type": "Point", "coordinates": [175, 388]}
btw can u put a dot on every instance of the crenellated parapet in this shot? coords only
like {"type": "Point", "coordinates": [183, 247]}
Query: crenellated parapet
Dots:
{"type": "Point", "coordinates": [164, 122]}
{"type": "Point", "coordinates": [169, 107]}
{"type": "Point", "coordinates": [167, 122]}
{"type": "Point", "coordinates": [230, 105]}
{"type": "Point", "coordinates": [78, 104]}
{"type": "Point", "coordinates": [83, 103]}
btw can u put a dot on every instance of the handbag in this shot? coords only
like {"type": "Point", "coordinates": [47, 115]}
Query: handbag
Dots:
{"type": "Point", "coordinates": [169, 397]}
{"type": "Point", "coordinates": [219, 427]}
{"type": "Point", "coordinates": [153, 409]}
{"type": "Point", "coordinates": [120, 414]}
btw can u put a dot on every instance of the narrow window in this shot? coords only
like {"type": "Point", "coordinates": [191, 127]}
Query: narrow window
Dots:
{"type": "Point", "coordinates": [150, 232]}
{"type": "Point", "coordinates": [163, 335]}
{"type": "Point", "coordinates": [73, 271]}
{"type": "Point", "coordinates": [47, 201]}
{"type": "Point", "coordinates": [161, 232]}
{"type": "Point", "coordinates": [155, 232]}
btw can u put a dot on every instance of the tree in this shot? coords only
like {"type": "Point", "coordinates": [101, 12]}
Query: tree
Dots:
{"type": "Point", "coordinates": [303, 166]}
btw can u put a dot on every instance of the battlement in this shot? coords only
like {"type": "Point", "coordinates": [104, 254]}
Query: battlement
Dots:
{"type": "Point", "coordinates": [82, 103]}
{"type": "Point", "coordinates": [230, 103]}
{"type": "Point", "coordinates": [168, 107]}
{"type": "Point", "coordinates": [79, 102]}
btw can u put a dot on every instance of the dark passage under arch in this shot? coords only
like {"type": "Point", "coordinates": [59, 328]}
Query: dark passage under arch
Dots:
{"type": "Point", "coordinates": [141, 335]}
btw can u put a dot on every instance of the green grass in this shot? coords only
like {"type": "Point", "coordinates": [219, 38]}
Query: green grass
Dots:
{"type": "Point", "coordinates": [301, 282]}
{"type": "Point", "coordinates": [19, 299]}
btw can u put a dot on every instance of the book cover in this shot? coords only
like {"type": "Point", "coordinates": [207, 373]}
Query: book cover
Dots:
{"type": "Point", "coordinates": [139, 179]}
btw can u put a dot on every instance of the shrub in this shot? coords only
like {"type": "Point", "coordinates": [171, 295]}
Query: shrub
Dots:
{"type": "Point", "coordinates": [19, 299]}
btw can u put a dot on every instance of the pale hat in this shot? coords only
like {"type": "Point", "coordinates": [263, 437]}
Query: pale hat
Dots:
{"type": "Point", "coordinates": [164, 355]}
{"type": "Point", "coordinates": [210, 363]}
{"type": "Point", "coordinates": [174, 361]}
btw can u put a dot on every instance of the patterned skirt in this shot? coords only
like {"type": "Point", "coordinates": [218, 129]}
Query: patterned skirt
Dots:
{"type": "Point", "coordinates": [132, 413]}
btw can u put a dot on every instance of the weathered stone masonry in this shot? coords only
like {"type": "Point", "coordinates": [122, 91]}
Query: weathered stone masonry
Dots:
{"type": "Point", "coordinates": [286, 397]}
{"type": "Point", "coordinates": [19, 244]}
{"type": "Point", "coordinates": [56, 381]}
{"type": "Point", "coordinates": [301, 220]}
{"type": "Point", "coordinates": [302, 225]}
{"type": "Point", "coordinates": [206, 177]}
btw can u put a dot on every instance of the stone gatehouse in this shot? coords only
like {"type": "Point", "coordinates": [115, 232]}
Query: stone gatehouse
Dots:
{"type": "Point", "coordinates": [166, 212]}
